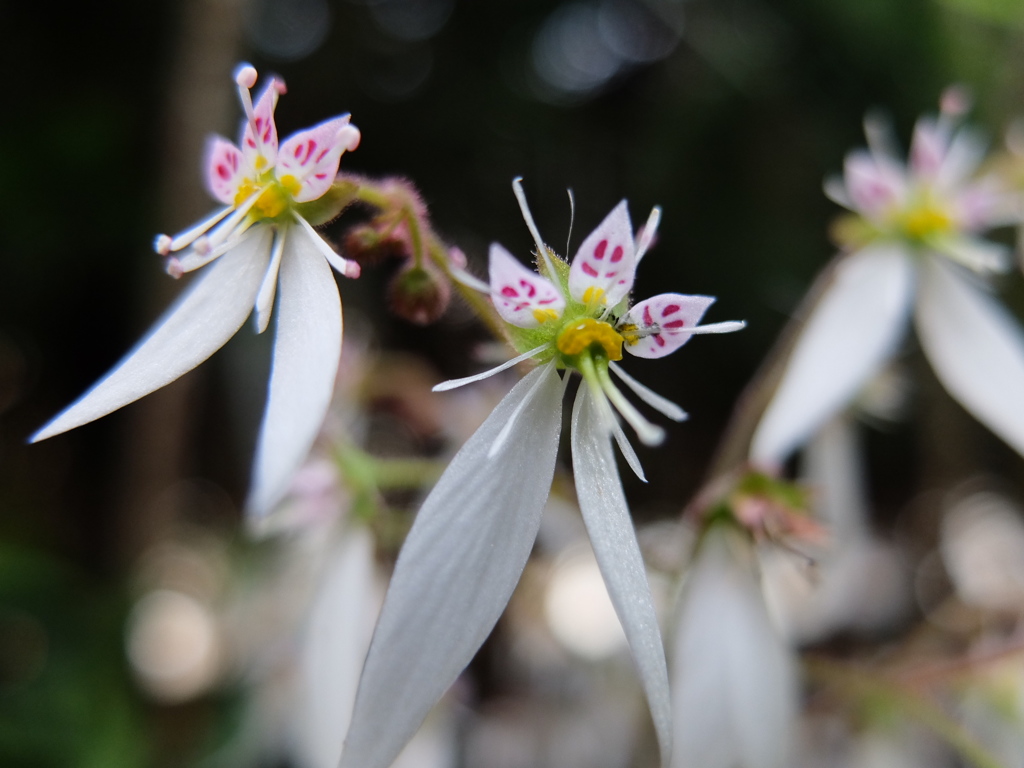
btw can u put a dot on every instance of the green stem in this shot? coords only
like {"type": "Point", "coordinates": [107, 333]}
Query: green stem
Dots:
{"type": "Point", "coordinates": [859, 685]}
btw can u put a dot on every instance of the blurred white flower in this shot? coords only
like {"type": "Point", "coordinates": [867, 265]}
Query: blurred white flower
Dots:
{"type": "Point", "coordinates": [472, 536]}
{"type": "Point", "coordinates": [734, 684]}
{"type": "Point", "coordinates": [260, 237]}
{"type": "Point", "coordinates": [916, 240]}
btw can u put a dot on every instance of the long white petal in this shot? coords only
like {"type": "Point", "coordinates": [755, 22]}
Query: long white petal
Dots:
{"type": "Point", "coordinates": [456, 571]}
{"type": "Point", "coordinates": [606, 515]}
{"type": "Point", "coordinates": [976, 349]}
{"type": "Point", "coordinates": [333, 649]}
{"type": "Point", "coordinates": [734, 682]}
{"type": "Point", "coordinates": [307, 348]}
{"type": "Point", "coordinates": [444, 386]}
{"type": "Point", "coordinates": [198, 324]}
{"type": "Point", "coordinates": [856, 325]}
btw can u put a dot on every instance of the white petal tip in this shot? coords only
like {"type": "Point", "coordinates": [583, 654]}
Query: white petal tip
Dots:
{"type": "Point", "coordinates": [349, 137]}
{"type": "Point", "coordinates": [245, 75]}
{"type": "Point", "coordinates": [651, 435]}
{"type": "Point", "coordinates": [162, 244]}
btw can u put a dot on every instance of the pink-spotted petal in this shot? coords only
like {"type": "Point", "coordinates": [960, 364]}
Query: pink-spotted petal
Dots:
{"type": "Point", "coordinates": [225, 169]}
{"type": "Point", "coordinates": [263, 143]}
{"type": "Point", "coordinates": [672, 315]}
{"type": "Point", "coordinates": [521, 296]}
{"type": "Point", "coordinates": [312, 156]}
{"type": "Point", "coordinates": [606, 261]}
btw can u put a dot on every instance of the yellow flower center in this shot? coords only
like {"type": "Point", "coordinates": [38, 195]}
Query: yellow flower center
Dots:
{"type": "Point", "coordinates": [925, 221]}
{"type": "Point", "coordinates": [593, 296]}
{"type": "Point", "coordinates": [580, 335]}
{"type": "Point", "coordinates": [276, 195]}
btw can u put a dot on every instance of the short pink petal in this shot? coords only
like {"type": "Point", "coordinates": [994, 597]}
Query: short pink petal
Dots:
{"type": "Point", "coordinates": [606, 260]}
{"type": "Point", "coordinates": [225, 169]}
{"type": "Point", "coordinates": [928, 148]}
{"type": "Point", "coordinates": [264, 141]}
{"type": "Point", "coordinates": [521, 296]}
{"type": "Point", "coordinates": [312, 156]}
{"type": "Point", "coordinates": [872, 188]}
{"type": "Point", "coordinates": [672, 315]}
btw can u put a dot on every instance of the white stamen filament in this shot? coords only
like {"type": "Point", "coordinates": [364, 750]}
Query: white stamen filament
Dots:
{"type": "Point", "coordinates": [246, 79]}
{"type": "Point", "coordinates": [649, 434]}
{"type": "Point", "coordinates": [627, 450]}
{"type": "Point", "coordinates": [444, 386]}
{"type": "Point", "coordinates": [227, 227]}
{"type": "Point", "coordinates": [729, 326]}
{"type": "Point", "coordinates": [195, 259]}
{"type": "Point", "coordinates": [502, 437]}
{"type": "Point", "coordinates": [462, 276]}
{"type": "Point", "coordinates": [340, 265]}
{"type": "Point", "coordinates": [268, 288]}
{"type": "Point", "coordinates": [164, 244]}
{"type": "Point", "coordinates": [649, 396]}
{"type": "Point", "coordinates": [648, 232]}
{"type": "Point", "coordinates": [542, 250]}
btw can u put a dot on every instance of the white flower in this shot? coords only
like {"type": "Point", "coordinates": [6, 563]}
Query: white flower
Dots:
{"type": "Point", "coordinates": [733, 680]}
{"type": "Point", "coordinates": [918, 238]}
{"type": "Point", "coordinates": [259, 239]}
{"type": "Point", "coordinates": [474, 533]}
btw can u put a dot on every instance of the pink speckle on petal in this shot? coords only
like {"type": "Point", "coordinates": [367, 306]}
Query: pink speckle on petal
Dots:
{"type": "Point", "coordinates": [223, 172]}
{"type": "Point", "coordinates": [546, 301]}
{"type": "Point", "coordinates": [600, 249]}
{"type": "Point", "coordinates": [674, 324]}
{"type": "Point", "coordinates": [648, 320]}
{"type": "Point", "coordinates": [509, 291]}
{"type": "Point", "coordinates": [658, 340]}
{"type": "Point", "coordinates": [530, 290]}
{"type": "Point", "coordinates": [323, 153]}
{"type": "Point", "coordinates": [617, 253]}
{"type": "Point", "coordinates": [589, 270]}
{"type": "Point", "coordinates": [669, 310]}
{"type": "Point", "coordinates": [613, 273]}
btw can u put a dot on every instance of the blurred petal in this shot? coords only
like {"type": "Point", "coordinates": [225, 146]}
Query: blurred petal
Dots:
{"type": "Point", "coordinates": [334, 647]}
{"type": "Point", "coordinates": [457, 569]}
{"type": "Point", "coordinates": [606, 259]}
{"type": "Point", "coordinates": [848, 335]}
{"type": "Point", "coordinates": [209, 313]}
{"type": "Point", "coordinates": [307, 348]}
{"type": "Point", "coordinates": [976, 254]}
{"type": "Point", "coordinates": [734, 682]}
{"type": "Point", "coordinates": [521, 296]}
{"type": "Point", "coordinates": [976, 349]}
{"type": "Point", "coordinates": [225, 168]}
{"type": "Point", "coordinates": [606, 515]}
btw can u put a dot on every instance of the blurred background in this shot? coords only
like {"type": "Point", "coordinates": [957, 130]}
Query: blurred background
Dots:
{"type": "Point", "coordinates": [727, 113]}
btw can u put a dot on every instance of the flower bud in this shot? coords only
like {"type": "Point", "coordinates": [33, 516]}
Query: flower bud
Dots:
{"type": "Point", "coordinates": [419, 295]}
{"type": "Point", "coordinates": [374, 242]}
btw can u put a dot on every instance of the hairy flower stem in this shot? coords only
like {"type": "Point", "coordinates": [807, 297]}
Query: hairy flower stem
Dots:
{"type": "Point", "coordinates": [426, 244]}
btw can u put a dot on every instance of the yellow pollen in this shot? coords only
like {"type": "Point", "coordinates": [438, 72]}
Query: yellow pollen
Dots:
{"type": "Point", "coordinates": [245, 190]}
{"type": "Point", "coordinates": [543, 315]}
{"type": "Point", "coordinates": [581, 335]}
{"type": "Point", "coordinates": [926, 220]}
{"type": "Point", "coordinates": [260, 162]}
{"type": "Point", "coordinates": [593, 295]}
{"type": "Point", "coordinates": [290, 184]}
{"type": "Point", "coordinates": [272, 201]}
{"type": "Point", "coordinates": [630, 334]}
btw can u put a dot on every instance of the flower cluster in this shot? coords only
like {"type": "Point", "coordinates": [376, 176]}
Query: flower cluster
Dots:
{"type": "Point", "coordinates": [473, 534]}
{"type": "Point", "coordinates": [913, 243]}
{"type": "Point", "coordinates": [261, 244]}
